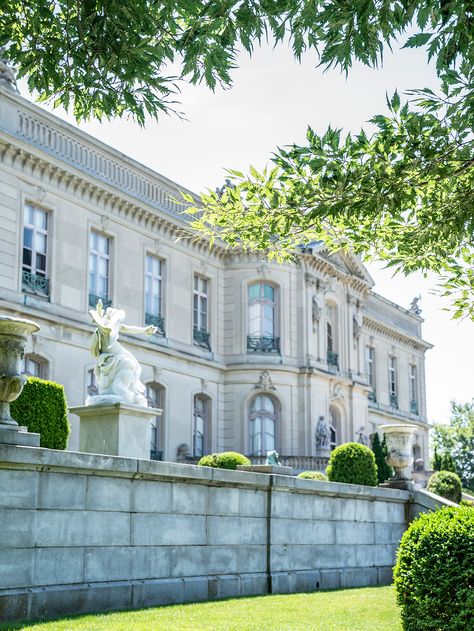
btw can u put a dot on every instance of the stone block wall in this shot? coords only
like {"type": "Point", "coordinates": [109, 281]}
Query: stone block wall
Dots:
{"type": "Point", "coordinates": [82, 532]}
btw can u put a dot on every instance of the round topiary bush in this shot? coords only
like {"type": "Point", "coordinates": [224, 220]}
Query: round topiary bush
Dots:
{"type": "Point", "coordinates": [446, 484]}
{"type": "Point", "coordinates": [352, 463]}
{"type": "Point", "coordinates": [313, 475]}
{"type": "Point", "coordinates": [224, 460]}
{"type": "Point", "coordinates": [208, 461]}
{"type": "Point", "coordinates": [434, 573]}
{"type": "Point", "coordinates": [42, 407]}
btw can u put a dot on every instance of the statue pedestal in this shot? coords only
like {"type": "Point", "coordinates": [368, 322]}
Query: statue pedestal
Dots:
{"type": "Point", "coordinates": [265, 468]}
{"type": "Point", "coordinates": [404, 485]}
{"type": "Point", "coordinates": [115, 429]}
{"type": "Point", "coordinates": [18, 435]}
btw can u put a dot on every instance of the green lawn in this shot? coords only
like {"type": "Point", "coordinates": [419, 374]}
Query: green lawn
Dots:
{"type": "Point", "coordinates": [364, 609]}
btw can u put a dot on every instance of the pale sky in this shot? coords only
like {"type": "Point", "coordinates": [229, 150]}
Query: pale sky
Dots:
{"type": "Point", "coordinates": [271, 103]}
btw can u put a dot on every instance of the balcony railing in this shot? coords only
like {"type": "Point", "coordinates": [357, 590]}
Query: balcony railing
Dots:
{"type": "Point", "coordinates": [34, 284]}
{"type": "Point", "coordinates": [94, 299]}
{"type": "Point", "coordinates": [297, 463]}
{"type": "Point", "coordinates": [333, 359]}
{"type": "Point", "coordinates": [414, 407]}
{"type": "Point", "coordinates": [156, 454]}
{"type": "Point", "coordinates": [394, 400]}
{"type": "Point", "coordinates": [201, 338]}
{"type": "Point", "coordinates": [373, 396]}
{"type": "Point", "coordinates": [263, 344]}
{"type": "Point", "coordinates": [157, 321]}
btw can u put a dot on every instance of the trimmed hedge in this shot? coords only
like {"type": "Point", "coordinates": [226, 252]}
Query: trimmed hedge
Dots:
{"type": "Point", "coordinates": [447, 484]}
{"type": "Point", "coordinates": [352, 463]}
{"type": "Point", "coordinates": [434, 574]}
{"type": "Point", "coordinates": [313, 475]}
{"type": "Point", "coordinates": [384, 471]}
{"type": "Point", "coordinates": [42, 407]}
{"type": "Point", "coordinates": [224, 460]}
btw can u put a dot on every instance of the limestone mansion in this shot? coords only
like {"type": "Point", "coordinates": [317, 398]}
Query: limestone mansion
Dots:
{"type": "Point", "coordinates": [249, 355]}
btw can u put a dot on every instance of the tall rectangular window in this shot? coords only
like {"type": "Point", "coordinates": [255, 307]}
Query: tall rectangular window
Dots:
{"type": "Point", "coordinates": [154, 292]}
{"type": "Point", "coordinates": [35, 248]}
{"type": "Point", "coordinates": [200, 424]}
{"type": "Point", "coordinates": [200, 312]}
{"type": "Point", "coordinates": [370, 359]}
{"type": "Point", "coordinates": [200, 303]}
{"type": "Point", "coordinates": [99, 269]}
{"type": "Point", "coordinates": [392, 381]}
{"type": "Point", "coordinates": [413, 390]}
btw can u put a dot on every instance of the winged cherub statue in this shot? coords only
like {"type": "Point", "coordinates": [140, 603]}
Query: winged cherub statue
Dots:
{"type": "Point", "coordinates": [117, 371]}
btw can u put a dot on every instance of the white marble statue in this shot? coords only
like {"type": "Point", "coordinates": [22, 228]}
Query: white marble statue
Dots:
{"type": "Point", "coordinates": [117, 371]}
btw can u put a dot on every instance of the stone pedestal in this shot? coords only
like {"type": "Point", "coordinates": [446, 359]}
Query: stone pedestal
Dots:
{"type": "Point", "coordinates": [18, 435]}
{"type": "Point", "coordinates": [403, 485]}
{"type": "Point", "coordinates": [116, 429]}
{"type": "Point", "coordinates": [265, 468]}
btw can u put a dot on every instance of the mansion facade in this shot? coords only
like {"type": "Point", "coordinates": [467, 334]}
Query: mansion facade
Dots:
{"type": "Point", "coordinates": [249, 355]}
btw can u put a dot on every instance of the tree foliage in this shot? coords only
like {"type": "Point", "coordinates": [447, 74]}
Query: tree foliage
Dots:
{"type": "Point", "coordinates": [456, 439]}
{"type": "Point", "coordinates": [403, 193]}
{"type": "Point", "coordinates": [384, 471]}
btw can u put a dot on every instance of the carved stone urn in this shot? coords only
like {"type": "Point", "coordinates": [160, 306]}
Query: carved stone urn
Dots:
{"type": "Point", "coordinates": [399, 446]}
{"type": "Point", "coordinates": [14, 333]}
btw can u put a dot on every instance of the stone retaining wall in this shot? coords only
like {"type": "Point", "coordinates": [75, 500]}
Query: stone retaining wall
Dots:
{"type": "Point", "coordinates": [82, 532]}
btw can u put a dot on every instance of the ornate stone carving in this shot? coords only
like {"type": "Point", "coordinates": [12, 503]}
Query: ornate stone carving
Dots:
{"type": "Point", "coordinates": [204, 385]}
{"type": "Point", "coordinates": [263, 269]}
{"type": "Point", "coordinates": [361, 436]}
{"type": "Point", "coordinates": [414, 306]}
{"type": "Point", "coordinates": [338, 392]}
{"type": "Point", "coordinates": [182, 452]}
{"type": "Point", "coordinates": [322, 435]}
{"type": "Point", "coordinates": [7, 76]}
{"type": "Point", "coordinates": [400, 455]}
{"type": "Point", "coordinates": [117, 371]}
{"type": "Point", "coordinates": [265, 381]}
{"type": "Point", "coordinates": [273, 458]}
{"type": "Point", "coordinates": [357, 325]}
{"type": "Point", "coordinates": [13, 338]}
{"type": "Point", "coordinates": [316, 312]}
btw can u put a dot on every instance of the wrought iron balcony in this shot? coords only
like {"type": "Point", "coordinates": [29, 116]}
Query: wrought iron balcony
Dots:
{"type": "Point", "coordinates": [414, 407]}
{"type": "Point", "coordinates": [156, 454]}
{"type": "Point", "coordinates": [201, 338]}
{"type": "Point", "coordinates": [94, 299]}
{"type": "Point", "coordinates": [394, 400]}
{"type": "Point", "coordinates": [373, 396]}
{"type": "Point", "coordinates": [157, 321]}
{"type": "Point", "coordinates": [34, 284]}
{"type": "Point", "coordinates": [263, 344]}
{"type": "Point", "coordinates": [333, 359]}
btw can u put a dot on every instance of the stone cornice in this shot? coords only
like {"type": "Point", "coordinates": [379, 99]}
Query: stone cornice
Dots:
{"type": "Point", "coordinates": [103, 198]}
{"type": "Point", "coordinates": [371, 325]}
{"type": "Point", "coordinates": [321, 269]}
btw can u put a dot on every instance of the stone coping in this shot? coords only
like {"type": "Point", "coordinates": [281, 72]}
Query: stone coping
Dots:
{"type": "Point", "coordinates": [41, 459]}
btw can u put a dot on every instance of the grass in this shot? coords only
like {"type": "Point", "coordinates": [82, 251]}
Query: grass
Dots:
{"type": "Point", "coordinates": [363, 609]}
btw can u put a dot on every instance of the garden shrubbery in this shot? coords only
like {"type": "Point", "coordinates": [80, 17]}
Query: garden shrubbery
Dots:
{"type": "Point", "coordinates": [224, 460]}
{"type": "Point", "coordinates": [352, 463]}
{"type": "Point", "coordinates": [434, 574]}
{"type": "Point", "coordinates": [384, 471]}
{"type": "Point", "coordinates": [313, 475]}
{"type": "Point", "coordinates": [447, 484]}
{"type": "Point", "coordinates": [42, 407]}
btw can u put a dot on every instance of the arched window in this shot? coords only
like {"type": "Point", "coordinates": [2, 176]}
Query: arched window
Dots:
{"type": "Point", "coordinates": [35, 366]}
{"type": "Point", "coordinates": [262, 421]}
{"type": "Point", "coordinates": [261, 319]}
{"type": "Point", "coordinates": [332, 356]}
{"type": "Point", "coordinates": [201, 424]}
{"type": "Point", "coordinates": [155, 395]}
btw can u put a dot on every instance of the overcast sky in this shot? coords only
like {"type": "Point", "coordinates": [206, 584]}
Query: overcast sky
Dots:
{"type": "Point", "coordinates": [271, 103]}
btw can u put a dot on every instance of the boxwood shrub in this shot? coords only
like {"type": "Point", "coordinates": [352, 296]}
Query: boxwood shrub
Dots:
{"type": "Point", "coordinates": [42, 407]}
{"type": "Point", "coordinates": [224, 460]}
{"type": "Point", "coordinates": [434, 573]}
{"type": "Point", "coordinates": [313, 475]}
{"type": "Point", "coordinates": [447, 484]}
{"type": "Point", "coordinates": [352, 463]}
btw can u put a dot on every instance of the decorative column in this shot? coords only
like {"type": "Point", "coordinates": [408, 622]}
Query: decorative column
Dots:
{"type": "Point", "coordinates": [14, 333]}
